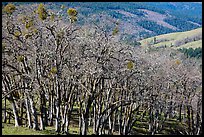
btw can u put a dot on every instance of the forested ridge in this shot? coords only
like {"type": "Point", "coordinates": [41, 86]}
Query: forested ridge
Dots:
{"type": "Point", "coordinates": [183, 16]}
{"type": "Point", "coordinates": [57, 73]}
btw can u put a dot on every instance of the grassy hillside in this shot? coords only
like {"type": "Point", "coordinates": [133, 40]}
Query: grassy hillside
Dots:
{"type": "Point", "coordinates": [187, 39]}
{"type": "Point", "coordinates": [9, 129]}
{"type": "Point", "coordinates": [140, 128]}
{"type": "Point", "coordinates": [194, 44]}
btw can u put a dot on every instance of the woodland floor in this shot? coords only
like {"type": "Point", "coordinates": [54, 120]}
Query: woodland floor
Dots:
{"type": "Point", "coordinates": [170, 126]}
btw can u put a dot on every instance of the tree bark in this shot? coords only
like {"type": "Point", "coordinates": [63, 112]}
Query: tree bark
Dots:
{"type": "Point", "coordinates": [192, 121]}
{"type": "Point", "coordinates": [51, 109]}
{"type": "Point", "coordinates": [15, 111]}
{"type": "Point", "coordinates": [180, 108]}
{"type": "Point", "coordinates": [4, 119]}
{"type": "Point", "coordinates": [34, 113]}
{"type": "Point", "coordinates": [94, 117]}
{"type": "Point", "coordinates": [42, 112]}
{"type": "Point", "coordinates": [86, 116]}
{"type": "Point", "coordinates": [189, 119]}
{"type": "Point", "coordinates": [64, 120]}
{"type": "Point", "coordinates": [21, 113]}
{"type": "Point", "coordinates": [28, 112]}
{"type": "Point", "coordinates": [58, 102]}
{"type": "Point", "coordinates": [57, 122]}
{"type": "Point", "coordinates": [80, 116]}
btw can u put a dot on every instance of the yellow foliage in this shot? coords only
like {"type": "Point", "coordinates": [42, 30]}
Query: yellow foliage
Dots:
{"type": "Point", "coordinates": [20, 58]}
{"type": "Point", "coordinates": [52, 17]}
{"type": "Point", "coordinates": [115, 31]}
{"type": "Point", "coordinates": [3, 46]}
{"type": "Point", "coordinates": [83, 97]}
{"type": "Point", "coordinates": [27, 35]}
{"type": "Point", "coordinates": [17, 33]}
{"type": "Point", "coordinates": [29, 24]}
{"type": "Point", "coordinates": [60, 16]}
{"type": "Point", "coordinates": [12, 77]}
{"type": "Point", "coordinates": [35, 31]}
{"type": "Point", "coordinates": [60, 34]}
{"type": "Point", "coordinates": [53, 70]}
{"type": "Point", "coordinates": [24, 32]}
{"type": "Point", "coordinates": [23, 19]}
{"type": "Point", "coordinates": [72, 12]}
{"type": "Point", "coordinates": [178, 62]}
{"type": "Point", "coordinates": [130, 65]}
{"type": "Point", "coordinates": [9, 8]}
{"type": "Point", "coordinates": [42, 13]}
{"type": "Point", "coordinates": [73, 19]}
{"type": "Point", "coordinates": [62, 7]}
{"type": "Point", "coordinates": [27, 21]}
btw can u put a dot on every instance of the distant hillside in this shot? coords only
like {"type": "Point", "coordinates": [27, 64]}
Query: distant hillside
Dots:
{"type": "Point", "coordinates": [138, 20]}
{"type": "Point", "coordinates": [187, 39]}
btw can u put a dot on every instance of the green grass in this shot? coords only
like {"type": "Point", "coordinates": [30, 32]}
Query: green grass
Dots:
{"type": "Point", "coordinates": [9, 129]}
{"type": "Point", "coordinates": [194, 44]}
{"type": "Point", "coordinates": [138, 130]}
{"type": "Point", "coordinates": [8, 104]}
{"type": "Point", "coordinates": [140, 127]}
{"type": "Point", "coordinates": [171, 38]}
{"type": "Point", "coordinates": [141, 124]}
